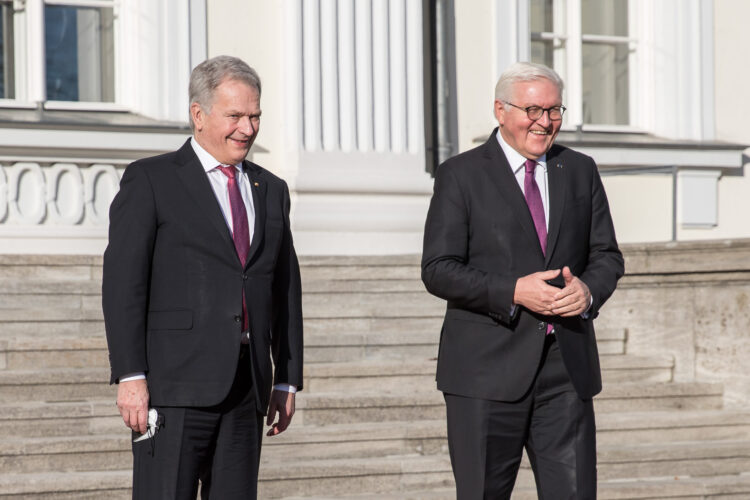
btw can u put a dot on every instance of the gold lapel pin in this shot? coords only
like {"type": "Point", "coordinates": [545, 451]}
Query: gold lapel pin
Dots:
{"type": "Point", "coordinates": [256, 184]}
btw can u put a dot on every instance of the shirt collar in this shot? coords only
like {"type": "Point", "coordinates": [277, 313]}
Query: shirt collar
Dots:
{"type": "Point", "coordinates": [207, 161]}
{"type": "Point", "coordinates": [516, 159]}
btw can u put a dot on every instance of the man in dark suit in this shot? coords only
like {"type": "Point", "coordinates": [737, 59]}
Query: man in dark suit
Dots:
{"type": "Point", "coordinates": [201, 289]}
{"type": "Point", "coordinates": [520, 242]}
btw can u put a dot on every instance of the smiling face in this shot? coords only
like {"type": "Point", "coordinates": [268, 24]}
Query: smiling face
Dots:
{"type": "Point", "coordinates": [229, 127]}
{"type": "Point", "coordinates": [531, 138]}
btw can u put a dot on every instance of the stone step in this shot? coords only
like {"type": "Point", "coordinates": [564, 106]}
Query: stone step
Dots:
{"type": "Point", "coordinates": [362, 304]}
{"type": "Point", "coordinates": [308, 475]}
{"type": "Point", "coordinates": [91, 485]}
{"type": "Point", "coordinates": [25, 352]}
{"type": "Point", "coordinates": [671, 426]}
{"type": "Point", "coordinates": [62, 384]}
{"type": "Point", "coordinates": [36, 419]}
{"type": "Point", "coordinates": [394, 375]}
{"type": "Point", "coordinates": [29, 326]}
{"type": "Point", "coordinates": [66, 418]}
{"type": "Point", "coordinates": [83, 344]}
{"type": "Point", "coordinates": [675, 488]}
{"type": "Point", "coordinates": [70, 453]}
{"type": "Point", "coordinates": [335, 408]}
{"type": "Point", "coordinates": [39, 287]}
{"type": "Point", "coordinates": [722, 458]}
{"type": "Point", "coordinates": [686, 458]}
{"type": "Point", "coordinates": [115, 485]}
{"type": "Point", "coordinates": [50, 267]}
{"type": "Point", "coordinates": [82, 308]}
{"type": "Point", "coordinates": [653, 397]}
{"type": "Point", "coordinates": [334, 477]}
{"type": "Point", "coordinates": [690, 441]}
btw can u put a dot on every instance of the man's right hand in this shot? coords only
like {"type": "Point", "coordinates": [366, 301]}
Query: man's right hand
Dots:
{"type": "Point", "coordinates": [132, 401]}
{"type": "Point", "coordinates": [535, 294]}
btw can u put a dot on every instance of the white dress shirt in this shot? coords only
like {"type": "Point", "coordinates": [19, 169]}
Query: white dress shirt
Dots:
{"type": "Point", "coordinates": [517, 165]}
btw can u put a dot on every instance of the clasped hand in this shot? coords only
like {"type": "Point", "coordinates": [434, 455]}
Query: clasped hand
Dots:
{"type": "Point", "coordinates": [535, 294]}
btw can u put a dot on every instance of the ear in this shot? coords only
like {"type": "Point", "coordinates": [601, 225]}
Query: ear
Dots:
{"type": "Point", "coordinates": [499, 112]}
{"type": "Point", "coordinates": [198, 116]}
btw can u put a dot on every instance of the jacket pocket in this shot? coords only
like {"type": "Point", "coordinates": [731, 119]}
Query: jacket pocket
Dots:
{"type": "Point", "coordinates": [464, 315]}
{"type": "Point", "coordinates": [170, 320]}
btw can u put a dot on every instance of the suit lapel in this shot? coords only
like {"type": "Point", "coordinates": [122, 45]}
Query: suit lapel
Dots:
{"type": "Point", "coordinates": [556, 178]}
{"type": "Point", "coordinates": [258, 190]}
{"type": "Point", "coordinates": [501, 174]}
{"type": "Point", "coordinates": [195, 180]}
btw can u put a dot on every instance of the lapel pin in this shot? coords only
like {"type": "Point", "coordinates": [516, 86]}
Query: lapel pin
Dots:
{"type": "Point", "coordinates": [559, 165]}
{"type": "Point", "coordinates": [256, 184]}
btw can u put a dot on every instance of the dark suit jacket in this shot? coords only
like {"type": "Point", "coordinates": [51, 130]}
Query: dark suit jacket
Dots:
{"type": "Point", "coordinates": [480, 238]}
{"type": "Point", "coordinates": [172, 285]}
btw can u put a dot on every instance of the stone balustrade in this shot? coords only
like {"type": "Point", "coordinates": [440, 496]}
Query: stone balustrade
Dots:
{"type": "Point", "coordinates": [59, 194]}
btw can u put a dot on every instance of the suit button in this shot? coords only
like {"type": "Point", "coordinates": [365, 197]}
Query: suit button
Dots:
{"type": "Point", "coordinates": [542, 325]}
{"type": "Point", "coordinates": [237, 318]}
{"type": "Point", "coordinates": [244, 277]}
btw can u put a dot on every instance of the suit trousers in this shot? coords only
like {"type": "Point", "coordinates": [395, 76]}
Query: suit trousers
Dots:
{"type": "Point", "coordinates": [486, 438]}
{"type": "Point", "coordinates": [218, 445]}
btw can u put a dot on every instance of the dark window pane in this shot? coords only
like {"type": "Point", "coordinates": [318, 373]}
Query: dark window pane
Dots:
{"type": "Point", "coordinates": [541, 52]}
{"type": "Point", "coordinates": [7, 73]}
{"type": "Point", "coordinates": [79, 46]}
{"type": "Point", "coordinates": [606, 93]}
{"type": "Point", "coordinates": [604, 17]}
{"type": "Point", "coordinates": [540, 15]}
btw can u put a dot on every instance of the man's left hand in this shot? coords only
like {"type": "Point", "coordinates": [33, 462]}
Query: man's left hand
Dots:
{"type": "Point", "coordinates": [283, 403]}
{"type": "Point", "coordinates": [574, 299]}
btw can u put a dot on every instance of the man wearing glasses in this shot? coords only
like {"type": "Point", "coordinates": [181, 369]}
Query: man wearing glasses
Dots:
{"type": "Point", "coordinates": [519, 241]}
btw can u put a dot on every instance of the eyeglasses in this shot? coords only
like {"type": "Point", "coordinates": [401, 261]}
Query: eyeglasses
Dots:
{"type": "Point", "coordinates": [535, 112]}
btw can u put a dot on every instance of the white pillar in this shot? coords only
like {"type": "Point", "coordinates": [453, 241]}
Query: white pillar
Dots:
{"type": "Point", "coordinates": [311, 64]}
{"type": "Point", "coordinates": [363, 45]}
{"type": "Point", "coordinates": [347, 93]}
{"type": "Point", "coordinates": [380, 76]}
{"type": "Point", "coordinates": [397, 45]}
{"type": "Point", "coordinates": [329, 75]}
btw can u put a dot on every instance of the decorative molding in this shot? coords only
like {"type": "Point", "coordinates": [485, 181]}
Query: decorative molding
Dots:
{"type": "Point", "coordinates": [38, 194]}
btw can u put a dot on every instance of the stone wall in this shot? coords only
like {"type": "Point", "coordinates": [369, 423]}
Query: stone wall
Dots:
{"type": "Point", "coordinates": [690, 300]}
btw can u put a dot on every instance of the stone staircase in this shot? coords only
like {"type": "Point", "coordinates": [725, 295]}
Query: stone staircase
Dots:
{"type": "Point", "coordinates": [370, 423]}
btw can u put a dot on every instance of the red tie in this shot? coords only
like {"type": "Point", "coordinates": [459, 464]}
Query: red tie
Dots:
{"type": "Point", "coordinates": [534, 201]}
{"type": "Point", "coordinates": [240, 228]}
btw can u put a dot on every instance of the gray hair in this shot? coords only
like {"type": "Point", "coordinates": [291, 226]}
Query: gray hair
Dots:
{"type": "Point", "coordinates": [211, 73]}
{"type": "Point", "coordinates": [524, 72]}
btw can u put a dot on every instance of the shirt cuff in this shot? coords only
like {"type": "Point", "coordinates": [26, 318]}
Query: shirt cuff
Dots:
{"type": "Point", "coordinates": [585, 314]}
{"type": "Point", "coordinates": [132, 376]}
{"type": "Point", "coordinates": [286, 388]}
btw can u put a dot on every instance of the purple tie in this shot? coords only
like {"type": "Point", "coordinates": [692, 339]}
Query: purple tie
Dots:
{"type": "Point", "coordinates": [240, 228]}
{"type": "Point", "coordinates": [534, 201]}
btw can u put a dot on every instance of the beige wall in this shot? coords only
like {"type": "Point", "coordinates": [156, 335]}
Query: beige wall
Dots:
{"type": "Point", "coordinates": [254, 32]}
{"type": "Point", "coordinates": [475, 71]}
{"type": "Point", "coordinates": [732, 70]}
{"type": "Point", "coordinates": [645, 217]}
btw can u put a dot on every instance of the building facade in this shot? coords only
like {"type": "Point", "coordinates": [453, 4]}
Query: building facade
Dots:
{"type": "Point", "coordinates": [361, 100]}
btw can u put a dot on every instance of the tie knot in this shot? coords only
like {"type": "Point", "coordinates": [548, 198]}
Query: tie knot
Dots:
{"type": "Point", "coordinates": [229, 171]}
{"type": "Point", "coordinates": [530, 166]}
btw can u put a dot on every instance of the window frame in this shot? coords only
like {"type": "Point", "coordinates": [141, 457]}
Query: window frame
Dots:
{"type": "Point", "coordinates": [568, 62]}
{"type": "Point", "coordinates": [29, 57]}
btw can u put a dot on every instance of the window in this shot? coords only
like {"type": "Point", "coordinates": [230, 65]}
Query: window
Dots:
{"type": "Point", "coordinates": [589, 40]}
{"type": "Point", "coordinates": [7, 80]}
{"type": "Point", "coordinates": [79, 53]}
{"type": "Point", "coordinates": [58, 50]}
